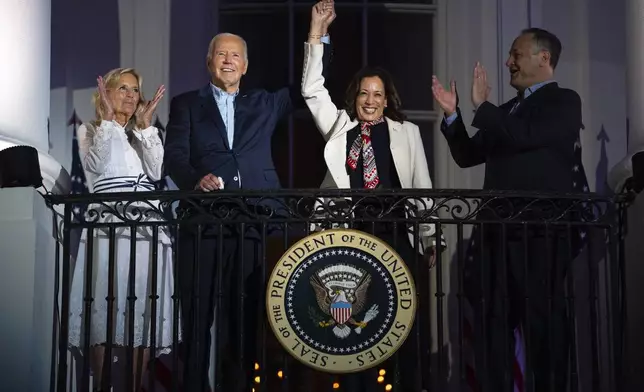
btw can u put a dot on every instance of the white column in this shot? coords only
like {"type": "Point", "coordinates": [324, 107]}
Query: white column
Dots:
{"type": "Point", "coordinates": [635, 72]}
{"type": "Point", "coordinates": [634, 356]}
{"type": "Point", "coordinates": [145, 45]}
{"type": "Point", "coordinates": [634, 90]}
{"type": "Point", "coordinates": [25, 42]}
{"type": "Point", "coordinates": [27, 246]}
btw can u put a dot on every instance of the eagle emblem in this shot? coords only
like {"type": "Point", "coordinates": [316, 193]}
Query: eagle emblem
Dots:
{"type": "Point", "coordinates": [341, 294]}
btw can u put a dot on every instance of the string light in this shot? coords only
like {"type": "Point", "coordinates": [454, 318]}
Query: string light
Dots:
{"type": "Point", "coordinates": [280, 374]}
{"type": "Point", "coordinates": [381, 379]}
{"type": "Point", "coordinates": [336, 385]}
{"type": "Point", "coordinates": [256, 366]}
{"type": "Point", "coordinates": [257, 379]}
{"type": "Point", "coordinates": [388, 387]}
{"type": "Point", "coordinates": [382, 372]}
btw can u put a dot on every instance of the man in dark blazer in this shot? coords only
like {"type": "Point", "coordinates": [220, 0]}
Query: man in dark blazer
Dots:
{"type": "Point", "coordinates": [530, 143]}
{"type": "Point", "coordinates": [220, 137]}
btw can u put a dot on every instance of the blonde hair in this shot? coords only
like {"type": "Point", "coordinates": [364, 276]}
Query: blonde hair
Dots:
{"type": "Point", "coordinates": [213, 42]}
{"type": "Point", "coordinates": [111, 79]}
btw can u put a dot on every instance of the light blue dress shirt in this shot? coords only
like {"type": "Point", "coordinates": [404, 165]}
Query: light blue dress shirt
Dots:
{"type": "Point", "coordinates": [226, 104]}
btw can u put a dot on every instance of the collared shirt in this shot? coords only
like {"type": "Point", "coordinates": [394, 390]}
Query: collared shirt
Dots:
{"type": "Point", "coordinates": [535, 87]}
{"type": "Point", "coordinates": [527, 92]}
{"type": "Point", "coordinates": [226, 104]}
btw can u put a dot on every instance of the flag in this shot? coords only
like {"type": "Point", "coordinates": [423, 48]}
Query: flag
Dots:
{"type": "Point", "coordinates": [163, 377]}
{"type": "Point", "coordinates": [79, 183]}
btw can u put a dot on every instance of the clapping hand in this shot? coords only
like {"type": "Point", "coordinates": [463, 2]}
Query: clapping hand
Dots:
{"type": "Point", "coordinates": [105, 102]}
{"type": "Point", "coordinates": [480, 88]}
{"type": "Point", "coordinates": [447, 100]}
{"type": "Point", "coordinates": [146, 110]}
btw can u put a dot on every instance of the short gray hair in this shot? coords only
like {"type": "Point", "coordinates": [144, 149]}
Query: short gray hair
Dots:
{"type": "Point", "coordinates": [214, 39]}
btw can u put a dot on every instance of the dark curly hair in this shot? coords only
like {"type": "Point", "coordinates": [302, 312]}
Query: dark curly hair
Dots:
{"type": "Point", "coordinates": [392, 110]}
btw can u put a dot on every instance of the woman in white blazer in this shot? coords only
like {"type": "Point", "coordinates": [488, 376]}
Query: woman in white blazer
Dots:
{"type": "Point", "coordinates": [371, 102]}
{"type": "Point", "coordinates": [370, 145]}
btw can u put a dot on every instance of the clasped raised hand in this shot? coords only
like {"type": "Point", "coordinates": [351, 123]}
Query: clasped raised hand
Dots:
{"type": "Point", "coordinates": [322, 15]}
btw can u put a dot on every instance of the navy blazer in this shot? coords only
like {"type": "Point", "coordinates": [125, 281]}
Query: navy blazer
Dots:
{"type": "Point", "coordinates": [197, 141]}
{"type": "Point", "coordinates": [530, 150]}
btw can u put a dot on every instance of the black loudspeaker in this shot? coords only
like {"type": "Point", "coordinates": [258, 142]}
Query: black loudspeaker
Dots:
{"type": "Point", "coordinates": [638, 171]}
{"type": "Point", "coordinates": [20, 167]}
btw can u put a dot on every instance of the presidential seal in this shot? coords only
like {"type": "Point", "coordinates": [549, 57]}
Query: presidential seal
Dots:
{"type": "Point", "coordinates": [341, 301]}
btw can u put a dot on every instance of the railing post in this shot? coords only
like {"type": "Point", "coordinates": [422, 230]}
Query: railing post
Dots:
{"type": "Point", "coordinates": [64, 309]}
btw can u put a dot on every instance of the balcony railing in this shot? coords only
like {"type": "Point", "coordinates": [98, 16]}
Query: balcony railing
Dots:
{"type": "Point", "coordinates": [562, 254]}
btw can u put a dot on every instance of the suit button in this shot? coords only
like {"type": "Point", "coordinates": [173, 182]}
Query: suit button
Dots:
{"type": "Point", "coordinates": [235, 178]}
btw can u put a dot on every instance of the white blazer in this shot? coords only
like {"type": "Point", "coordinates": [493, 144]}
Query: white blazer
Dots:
{"type": "Point", "coordinates": [405, 142]}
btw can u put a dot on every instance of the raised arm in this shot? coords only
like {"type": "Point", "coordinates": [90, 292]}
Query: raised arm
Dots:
{"type": "Point", "coordinates": [314, 92]}
{"type": "Point", "coordinates": [466, 151]}
{"type": "Point", "coordinates": [558, 122]}
{"type": "Point", "coordinates": [322, 15]}
{"type": "Point", "coordinates": [557, 116]}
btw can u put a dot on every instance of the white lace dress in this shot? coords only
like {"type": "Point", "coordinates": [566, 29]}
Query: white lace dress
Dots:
{"type": "Point", "coordinates": [114, 164]}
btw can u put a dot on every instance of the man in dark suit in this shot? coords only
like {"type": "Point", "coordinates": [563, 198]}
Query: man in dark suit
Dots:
{"type": "Point", "coordinates": [530, 143]}
{"type": "Point", "coordinates": [220, 136]}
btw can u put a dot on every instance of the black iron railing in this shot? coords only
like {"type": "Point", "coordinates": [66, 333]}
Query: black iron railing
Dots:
{"type": "Point", "coordinates": [561, 254]}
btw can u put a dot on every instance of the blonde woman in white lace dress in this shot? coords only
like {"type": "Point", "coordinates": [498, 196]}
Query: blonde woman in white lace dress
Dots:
{"type": "Point", "coordinates": [121, 152]}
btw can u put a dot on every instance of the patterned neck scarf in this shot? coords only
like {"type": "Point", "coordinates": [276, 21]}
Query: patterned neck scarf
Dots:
{"type": "Point", "coordinates": [363, 143]}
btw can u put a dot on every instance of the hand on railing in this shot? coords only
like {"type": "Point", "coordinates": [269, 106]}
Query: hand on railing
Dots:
{"type": "Point", "coordinates": [210, 182]}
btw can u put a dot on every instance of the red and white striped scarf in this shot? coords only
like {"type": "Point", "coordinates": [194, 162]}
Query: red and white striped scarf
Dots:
{"type": "Point", "coordinates": [363, 144]}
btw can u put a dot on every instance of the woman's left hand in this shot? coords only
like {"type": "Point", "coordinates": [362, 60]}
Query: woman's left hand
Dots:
{"type": "Point", "coordinates": [145, 111]}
